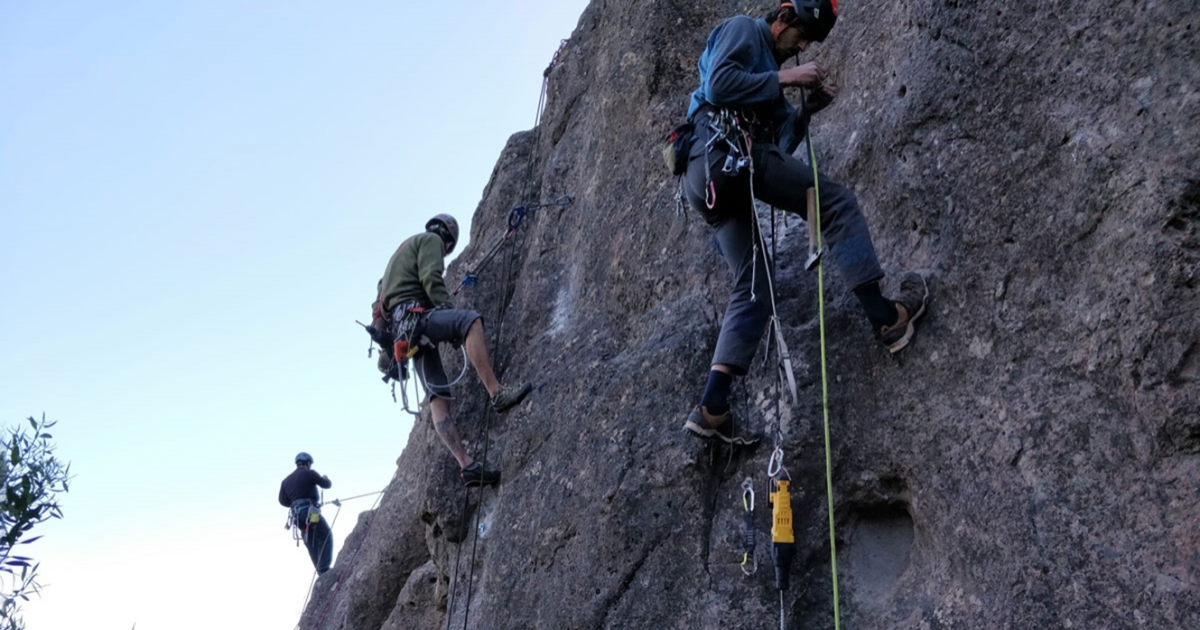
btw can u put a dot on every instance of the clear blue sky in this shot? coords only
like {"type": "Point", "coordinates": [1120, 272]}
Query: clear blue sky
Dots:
{"type": "Point", "coordinates": [196, 199]}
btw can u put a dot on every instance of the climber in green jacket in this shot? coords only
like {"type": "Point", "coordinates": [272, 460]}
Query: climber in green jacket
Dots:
{"type": "Point", "coordinates": [413, 295]}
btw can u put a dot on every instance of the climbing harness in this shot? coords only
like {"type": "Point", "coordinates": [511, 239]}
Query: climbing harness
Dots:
{"type": "Point", "coordinates": [562, 47]}
{"type": "Point", "coordinates": [749, 560]}
{"type": "Point", "coordinates": [410, 339]}
{"type": "Point", "coordinates": [515, 217]}
{"type": "Point", "coordinates": [301, 525]}
{"type": "Point", "coordinates": [407, 338]}
{"type": "Point", "coordinates": [725, 128]}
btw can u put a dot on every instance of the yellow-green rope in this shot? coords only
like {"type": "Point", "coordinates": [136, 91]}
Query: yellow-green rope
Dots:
{"type": "Point", "coordinates": [812, 158]}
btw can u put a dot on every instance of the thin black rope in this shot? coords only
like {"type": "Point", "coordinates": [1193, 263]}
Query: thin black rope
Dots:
{"type": "Point", "coordinates": [487, 426]}
{"type": "Point", "coordinates": [499, 362]}
{"type": "Point", "coordinates": [537, 119]}
{"type": "Point", "coordinates": [457, 561]}
{"type": "Point", "coordinates": [366, 532]}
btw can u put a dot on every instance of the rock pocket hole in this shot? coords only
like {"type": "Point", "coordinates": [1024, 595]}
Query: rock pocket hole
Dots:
{"type": "Point", "coordinates": [903, 91]}
{"type": "Point", "coordinates": [878, 550]}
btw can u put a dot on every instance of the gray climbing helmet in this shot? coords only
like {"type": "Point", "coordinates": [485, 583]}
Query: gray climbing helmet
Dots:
{"type": "Point", "coordinates": [446, 227]}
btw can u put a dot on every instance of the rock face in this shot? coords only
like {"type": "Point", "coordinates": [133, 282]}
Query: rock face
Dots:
{"type": "Point", "coordinates": [1033, 460]}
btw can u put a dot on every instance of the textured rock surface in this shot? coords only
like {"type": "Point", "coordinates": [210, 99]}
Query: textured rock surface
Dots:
{"type": "Point", "coordinates": [1034, 459]}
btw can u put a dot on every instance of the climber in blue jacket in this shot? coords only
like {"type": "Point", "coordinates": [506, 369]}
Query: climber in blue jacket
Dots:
{"type": "Point", "coordinates": [741, 78]}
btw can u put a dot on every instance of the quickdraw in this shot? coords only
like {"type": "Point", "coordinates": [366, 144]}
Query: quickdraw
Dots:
{"type": "Point", "coordinates": [726, 128]}
{"type": "Point", "coordinates": [515, 217]}
{"type": "Point", "coordinates": [749, 560]}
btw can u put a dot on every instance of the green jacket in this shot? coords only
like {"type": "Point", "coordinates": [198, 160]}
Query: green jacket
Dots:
{"type": "Point", "coordinates": [414, 274]}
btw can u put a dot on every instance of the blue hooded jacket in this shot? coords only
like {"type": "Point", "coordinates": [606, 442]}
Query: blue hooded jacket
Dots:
{"type": "Point", "coordinates": [738, 69]}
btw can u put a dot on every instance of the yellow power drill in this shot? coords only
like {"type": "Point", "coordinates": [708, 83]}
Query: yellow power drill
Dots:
{"type": "Point", "coordinates": [783, 537]}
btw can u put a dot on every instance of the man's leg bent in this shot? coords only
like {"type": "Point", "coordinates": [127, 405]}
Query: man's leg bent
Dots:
{"type": "Point", "coordinates": [466, 327]}
{"type": "Point", "coordinates": [783, 181]}
{"type": "Point", "coordinates": [477, 352]}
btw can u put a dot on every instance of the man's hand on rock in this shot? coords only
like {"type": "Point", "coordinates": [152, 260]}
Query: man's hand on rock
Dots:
{"type": "Point", "coordinates": [810, 74]}
{"type": "Point", "coordinates": [821, 96]}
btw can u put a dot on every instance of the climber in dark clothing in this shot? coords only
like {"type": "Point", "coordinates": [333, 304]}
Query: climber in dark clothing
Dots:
{"type": "Point", "coordinates": [741, 79]}
{"type": "Point", "coordinates": [414, 279]}
{"type": "Point", "coordinates": [298, 492]}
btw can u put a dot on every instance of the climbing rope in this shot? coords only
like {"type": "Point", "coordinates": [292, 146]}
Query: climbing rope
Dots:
{"type": "Point", "coordinates": [812, 158]}
{"type": "Point", "coordinates": [366, 532]}
{"type": "Point", "coordinates": [514, 222]}
{"type": "Point", "coordinates": [515, 217]}
{"type": "Point", "coordinates": [338, 502]}
{"type": "Point", "coordinates": [562, 47]}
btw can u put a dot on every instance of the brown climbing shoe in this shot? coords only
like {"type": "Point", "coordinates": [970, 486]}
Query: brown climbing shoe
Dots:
{"type": "Point", "coordinates": [508, 397]}
{"type": "Point", "coordinates": [910, 305]}
{"type": "Point", "coordinates": [476, 475]}
{"type": "Point", "coordinates": [702, 424]}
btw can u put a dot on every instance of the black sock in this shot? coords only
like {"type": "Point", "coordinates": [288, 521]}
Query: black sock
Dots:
{"type": "Point", "coordinates": [716, 392]}
{"type": "Point", "coordinates": [880, 310]}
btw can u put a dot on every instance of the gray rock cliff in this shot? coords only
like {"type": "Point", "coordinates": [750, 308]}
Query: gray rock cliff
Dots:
{"type": "Point", "coordinates": [1033, 460]}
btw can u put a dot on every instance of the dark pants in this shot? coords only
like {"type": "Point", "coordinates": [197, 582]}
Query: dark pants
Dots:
{"type": "Point", "coordinates": [781, 181]}
{"type": "Point", "coordinates": [317, 538]}
{"type": "Point", "coordinates": [440, 326]}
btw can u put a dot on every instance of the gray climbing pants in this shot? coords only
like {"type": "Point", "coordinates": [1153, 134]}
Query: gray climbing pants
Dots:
{"type": "Point", "coordinates": [439, 326]}
{"type": "Point", "coordinates": [781, 181]}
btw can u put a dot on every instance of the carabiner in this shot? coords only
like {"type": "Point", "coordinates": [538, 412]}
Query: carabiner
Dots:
{"type": "Point", "coordinates": [515, 215]}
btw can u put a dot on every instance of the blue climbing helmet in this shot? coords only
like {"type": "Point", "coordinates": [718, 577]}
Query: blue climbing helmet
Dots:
{"type": "Point", "coordinates": [817, 17]}
{"type": "Point", "coordinates": [446, 227]}
{"type": "Point", "coordinates": [304, 458]}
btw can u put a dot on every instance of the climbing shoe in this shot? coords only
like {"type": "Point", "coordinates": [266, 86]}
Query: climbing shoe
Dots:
{"type": "Point", "coordinates": [910, 305]}
{"type": "Point", "coordinates": [508, 397]}
{"type": "Point", "coordinates": [476, 475]}
{"type": "Point", "coordinates": [702, 424]}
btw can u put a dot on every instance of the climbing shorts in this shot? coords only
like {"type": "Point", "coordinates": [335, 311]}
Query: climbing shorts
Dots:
{"type": "Point", "coordinates": [441, 326]}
